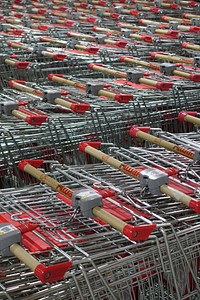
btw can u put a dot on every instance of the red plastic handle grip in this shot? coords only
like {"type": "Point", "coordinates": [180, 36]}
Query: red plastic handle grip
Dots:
{"type": "Point", "coordinates": [121, 44]}
{"type": "Point", "coordinates": [195, 77]}
{"type": "Point", "coordinates": [134, 12]}
{"type": "Point", "coordinates": [42, 27]}
{"type": "Point", "coordinates": [164, 86]}
{"type": "Point", "coordinates": [52, 273]}
{"type": "Point", "coordinates": [33, 118]}
{"type": "Point", "coordinates": [91, 19]}
{"type": "Point", "coordinates": [195, 205]}
{"type": "Point", "coordinates": [21, 64]}
{"type": "Point", "coordinates": [114, 16]}
{"type": "Point", "coordinates": [138, 233]}
{"type": "Point", "coordinates": [147, 38]}
{"type": "Point", "coordinates": [69, 23]}
{"type": "Point", "coordinates": [92, 49]}
{"type": "Point", "coordinates": [195, 29]}
{"type": "Point", "coordinates": [123, 98]}
{"type": "Point", "coordinates": [79, 108]}
{"type": "Point", "coordinates": [59, 56]}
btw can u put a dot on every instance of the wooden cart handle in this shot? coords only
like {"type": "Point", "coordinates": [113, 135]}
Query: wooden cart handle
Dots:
{"type": "Point", "coordinates": [46, 274]}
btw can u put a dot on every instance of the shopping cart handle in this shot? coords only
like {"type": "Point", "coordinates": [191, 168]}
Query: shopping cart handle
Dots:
{"type": "Point", "coordinates": [183, 114]}
{"type": "Point", "coordinates": [52, 273]}
{"type": "Point", "coordinates": [83, 145]}
{"type": "Point", "coordinates": [36, 163]}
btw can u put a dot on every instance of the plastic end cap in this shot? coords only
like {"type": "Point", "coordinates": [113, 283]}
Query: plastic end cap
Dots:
{"type": "Point", "coordinates": [134, 12]}
{"type": "Point", "coordinates": [122, 58]}
{"type": "Point", "coordinates": [121, 44]}
{"type": "Point", "coordinates": [90, 66]}
{"type": "Point", "coordinates": [184, 45]}
{"type": "Point", "coordinates": [153, 54]}
{"type": "Point", "coordinates": [173, 6]}
{"type": "Point", "coordinates": [50, 76]}
{"type": "Point", "coordinates": [138, 233]}
{"type": "Point", "coordinates": [195, 205]}
{"type": "Point", "coordinates": [92, 49]}
{"type": "Point", "coordinates": [194, 29]}
{"type": "Point", "coordinates": [91, 20]}
{"type": "Point", "coordinates": [52, 273]}
{"type": "Point", "coordinates": [36, 120]}
{"type": "Point", "coordinates": [79, 108]}
{"type": "Point", "coordinates": [114, 16]}
{"type": "Point", "coordinates": [183, 114]}
{"type": "Point", "coordinates": [36, 163]}
{"type": "Point", "coordinates": [59, 56]}
{"type": "Point", "coordinates": [135, 129]}
{"type": "Point", "coordinates": [12, 82]}
{"type": "Point", "coordinates": [123, 98]}
{"type": "Point", "coordinates": [164, 86]}
{"type": "Point", "coordinates": [83, 145]}
{"type": "Point", "coordinates": [195, 77]}
{"type": "Point", "coordinates": [21, 64]}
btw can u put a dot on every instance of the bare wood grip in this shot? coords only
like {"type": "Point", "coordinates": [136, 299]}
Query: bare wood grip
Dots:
{"type": "Point", "coordinates": [27, 89]}
{"type": "Point", "coordinates": [174, 58]}
{"type": "Point", "coordinates": [80, 47]}
{"type": "Point", "coordinates": [175, 194]}
{"type": "Point", "coordinates": [193, 47]}
{"type": "Point", "coordinates": [109, 71]}
{"type": "Point", "coordinates": [191, 119]}
{"type": "Point", "coordinates": [18, 114]}
{"type": "Point", "coordinates": [142, 63]}
{"type": "Point", "coordinates": [24, 256]}
{"type": "Point", "coordinates": [106, 94]}
{"type": "Point", "coordinates": [167, 145]}
{"type": "Point", "coordinates": [109, 218]}
{"type": "Point", "coordinates": [68, 82]}
{"type": "Point", "coordinates": [147, 81]}
{"type": "Point", "coordinates": [126, 169]}
{"type": "Point", "coordinates": [63, 102]}
{"type": "Point", "coordinates": [10, 62]}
